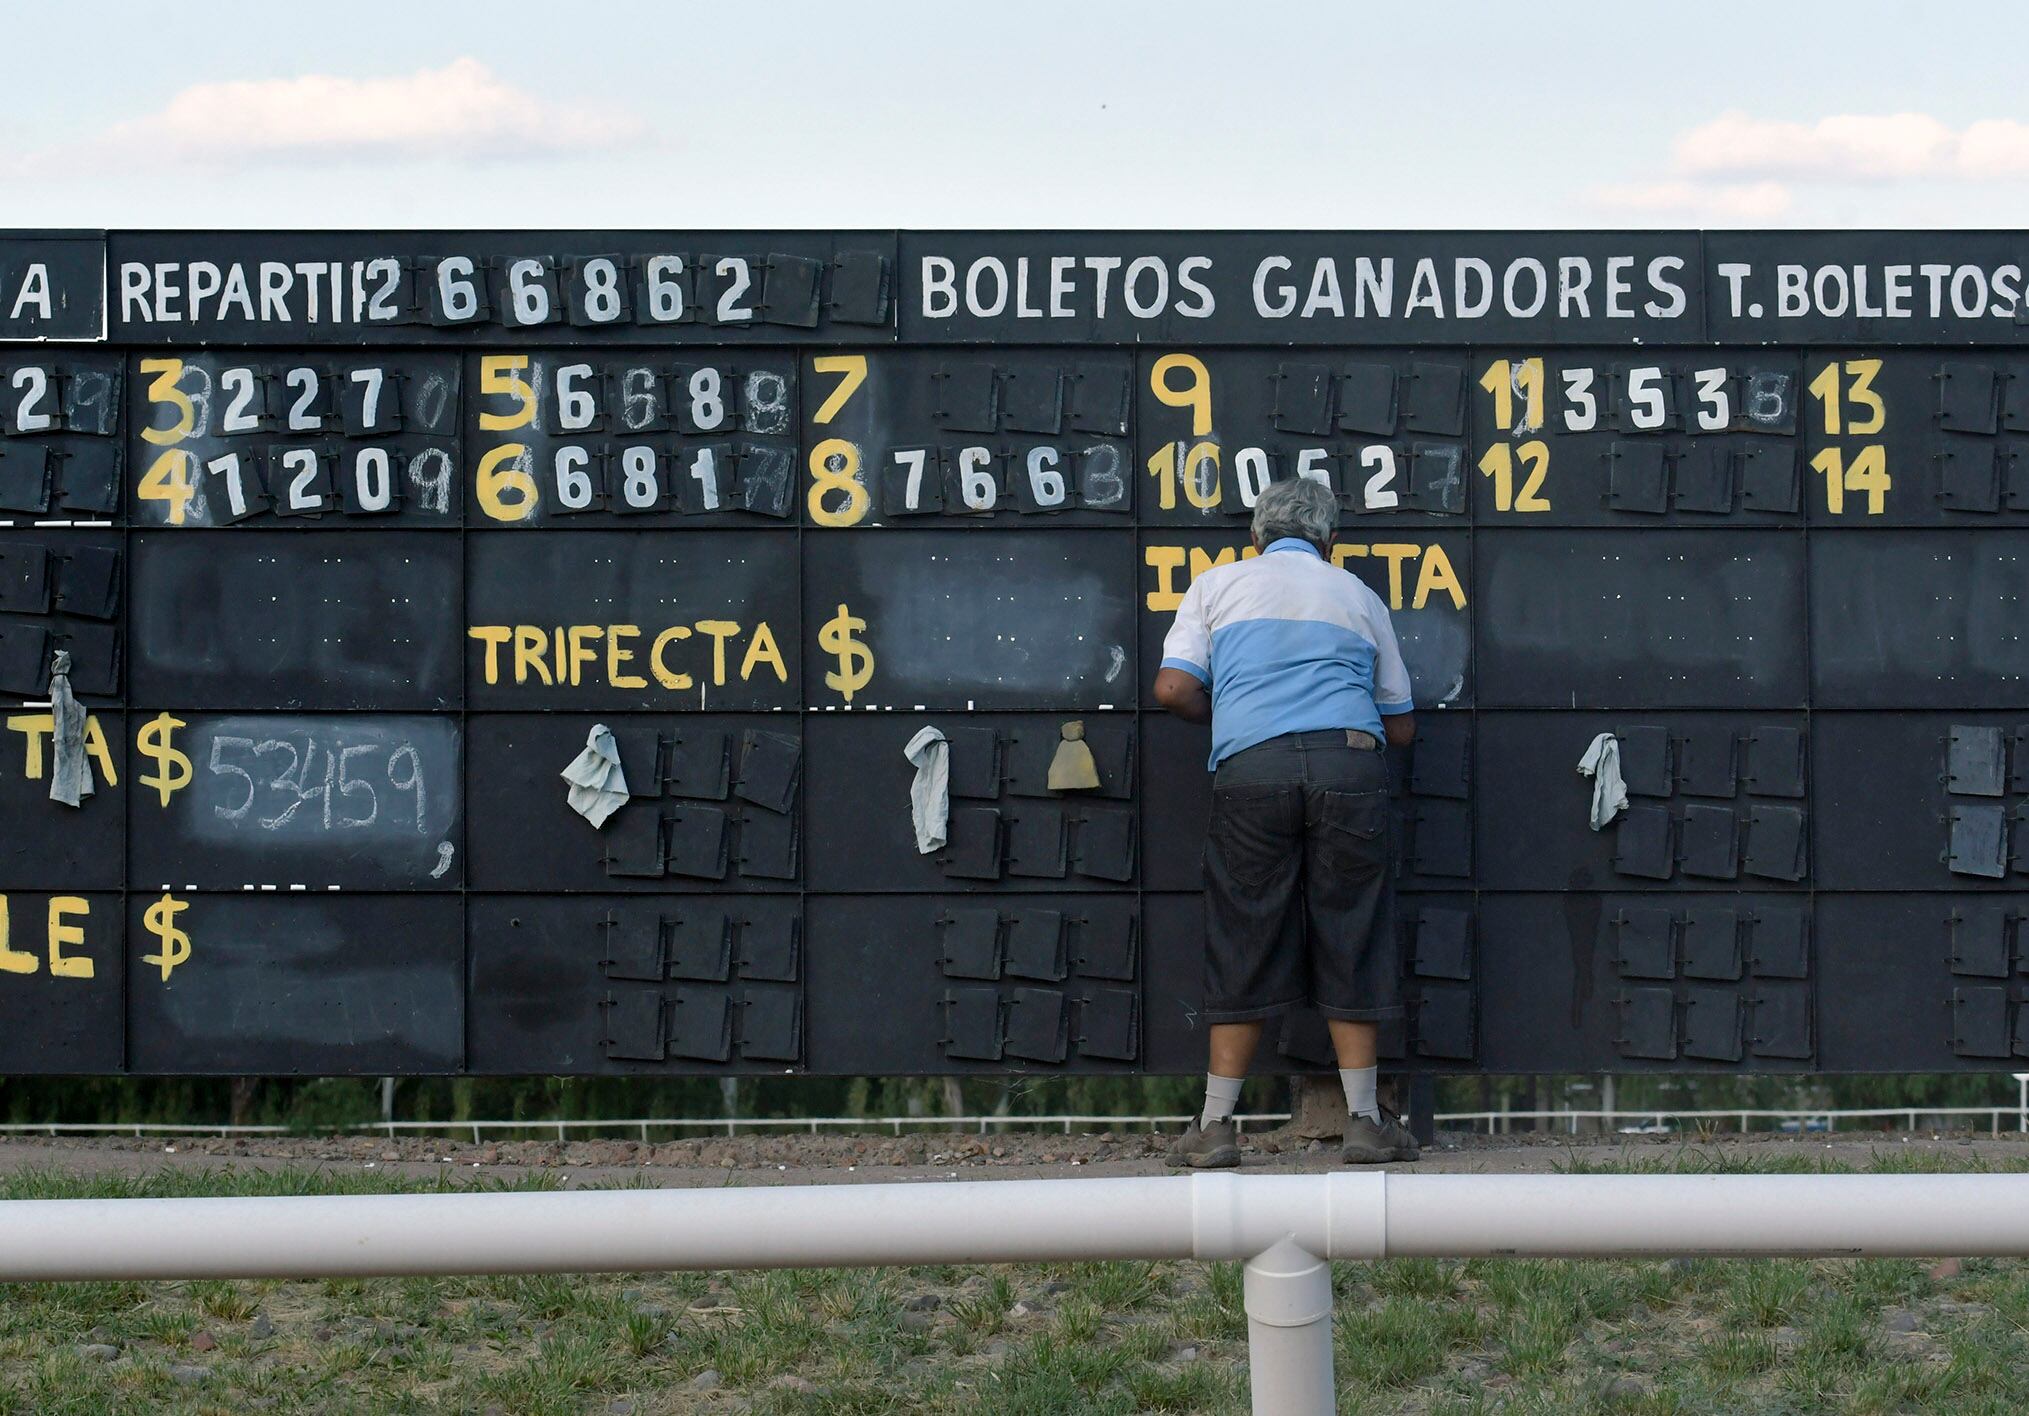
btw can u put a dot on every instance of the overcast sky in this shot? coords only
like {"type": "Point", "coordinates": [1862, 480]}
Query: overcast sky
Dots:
{"type": "Point", "coordinates": [1028, 114]}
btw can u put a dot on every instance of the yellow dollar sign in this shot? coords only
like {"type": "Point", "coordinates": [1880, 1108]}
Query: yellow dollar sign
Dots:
{"type": "Point", "coordinates": [157, 740]}
{"type": "Point", "coordinates": [855, 660]}
{"type": "Point", "coordinates": [161, 922]}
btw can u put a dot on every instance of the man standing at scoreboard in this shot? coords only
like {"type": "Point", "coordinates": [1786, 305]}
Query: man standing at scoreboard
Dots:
{"type": "Point", "coordinates": [1294, 664]}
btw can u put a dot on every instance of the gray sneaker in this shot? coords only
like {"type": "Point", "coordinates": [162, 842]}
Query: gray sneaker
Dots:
{"type": "Point", "coordinates": [1378, 1142]}
{"type": "Point", "coordinates": [1213, 1147]}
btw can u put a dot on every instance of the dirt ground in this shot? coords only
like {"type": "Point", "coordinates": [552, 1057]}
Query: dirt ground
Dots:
{"type": "Point", "coordinates": [803, 1159]}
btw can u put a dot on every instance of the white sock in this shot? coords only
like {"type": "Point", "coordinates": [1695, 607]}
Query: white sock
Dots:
{"type": "Point", "coordinates": [1222, 1094]}
{"type": "Point", "coordinates": [1362, 1086]}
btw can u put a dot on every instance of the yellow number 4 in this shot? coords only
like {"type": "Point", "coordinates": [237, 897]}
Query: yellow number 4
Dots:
{"type": "Point", "coordinates": [1867, 473]}
{"type": "Point", "coordinates": [168, 480]}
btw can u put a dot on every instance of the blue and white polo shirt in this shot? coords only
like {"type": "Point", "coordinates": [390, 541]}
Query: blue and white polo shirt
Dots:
{"type": "Point", "coordinates": [1288, 643]}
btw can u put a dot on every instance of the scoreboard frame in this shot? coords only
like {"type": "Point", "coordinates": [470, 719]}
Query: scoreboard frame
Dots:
{"type": "Point", "coordinates": [355, 538]}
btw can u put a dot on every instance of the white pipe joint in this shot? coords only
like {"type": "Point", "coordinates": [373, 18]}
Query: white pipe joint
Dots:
{"type": "Point", "coordinates": [1289, 1331]}
{"type": "Point", "coordinates": [1339, 1215]}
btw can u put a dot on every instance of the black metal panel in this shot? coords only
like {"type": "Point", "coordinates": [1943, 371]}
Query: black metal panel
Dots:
{"type": "Point", "coordinates": [1877, 641]}
{"type": "Point", "coordinates": [1533, 808]}
{"type": "Point", "coordinates": [1383, 433]}
{"type": "Point", "coordinates": [61, 456]}
{"type": "Point", "coordinates": [1568, 1000]}
{"type": "Point", "coordinates": [499, 288]}
{"type": "Point", "coordinates": [285, 984]}
{"type": "Point", "coordinates": [968, 439]}
{"type": "Point", "coordinates": [298, 802]}
{"type": "Point", "coordinates": [61, 589]}
{"type": "Point", "coordinates": [45, 842]}
{"type": "Point", "coordinates": [584, 440]}
{"type": "Point", "coordinates": [1886, 817]}
{"type": "Point", "coordinates": [1620, 437]}
{"type": "Point", "coordinates": [1917, 950]}
{"type": "Point", "coordinates": [524, 836]}
{"type": "Point", "coordinates": [1076, 840]}
{"type": "Point", "coordinates": [917, 619]}
{"type": "Point", "coordinates": [350, 441]}
{"type": "Point", "coordinates": [1425, 583]}
{"type": "Point", "coordinates": [914, 1013]}
{"type": "Point", "coordinates": [1673, 619]}
{"type": "Point", "coordinates": [296, 620]}
{"type": "Point", "coordinates": [629, 619]}
{"type": "Point", "coordinates": [1824, 287]}
{"type": "Point", "coordinates": [1306, 288]}
{"type": "Point", "coordinates": [61, 983]}
{"type": "Point", "coordinates": [541, 978]}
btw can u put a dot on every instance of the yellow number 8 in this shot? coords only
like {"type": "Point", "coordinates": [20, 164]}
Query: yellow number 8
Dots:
{"type": "Point", "coordinates": [827, 478]}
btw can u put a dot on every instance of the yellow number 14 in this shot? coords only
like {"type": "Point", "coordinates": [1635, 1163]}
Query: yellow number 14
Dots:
{"type": "Point", "coordinates": [1868, 472]}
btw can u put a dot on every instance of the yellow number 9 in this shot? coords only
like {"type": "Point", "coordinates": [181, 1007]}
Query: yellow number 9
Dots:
{"type": "Point", "coordinates": [1195, 395]}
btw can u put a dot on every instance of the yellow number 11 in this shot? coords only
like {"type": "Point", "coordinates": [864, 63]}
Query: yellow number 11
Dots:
{"type": "Point", "coordinates": [1504, 380]}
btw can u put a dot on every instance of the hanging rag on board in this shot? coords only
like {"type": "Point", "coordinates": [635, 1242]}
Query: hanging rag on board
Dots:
{"type": "Point", "coordinates": [598, 785]}
{"type": "Point", "coordinates": [70, 774]}
{"type": "Point", "coordinates": [1601, 762]}
{"type": "Point", "coordinates": [930, 793]}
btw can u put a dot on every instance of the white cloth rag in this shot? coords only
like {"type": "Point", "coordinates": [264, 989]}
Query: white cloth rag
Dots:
{"type": "Point", "coordinates": [1601, 762]}
{"type": "Point", "coordinates": [930, 793]}
{"type": "Point", "coordinates": [598, 785]}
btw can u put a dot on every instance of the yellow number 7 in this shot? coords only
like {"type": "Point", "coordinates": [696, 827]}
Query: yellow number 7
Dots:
{"type": "Point", "coordinates": [853, 367]}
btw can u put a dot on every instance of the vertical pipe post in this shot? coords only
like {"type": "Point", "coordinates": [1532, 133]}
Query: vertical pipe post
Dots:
{"type": "Point", "coordinates": [1289, 1331]}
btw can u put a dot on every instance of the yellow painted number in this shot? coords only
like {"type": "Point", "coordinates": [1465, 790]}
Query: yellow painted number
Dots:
{"type": "Point", "coordinates": [1499, 464]}
{"type": "Point", "coordinates": [852, 371]}
{"type": "Point", "coordinates": [1503, 379]}
{"type": "Point", "coordinates": [162, 389]}
{"type": "Point", "coordinates": [168, 480]}
{"type": "Point", "coordinates": [835, 468]}
{"type": "Point", "coordinates": [1196, 394]}
{"type": "Point", "coordinates": [500, 376]}
{"type": "Point", "coordinates": [505, 489]}
{"type": "Point", "coordinates": [1198, 472]}
{"type": "Point", "coordinates": [1860, 391]}
{"type": "Point", "coordinates": [1867, 472]}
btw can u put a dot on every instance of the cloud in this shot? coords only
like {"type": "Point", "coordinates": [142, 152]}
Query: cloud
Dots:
{"type": "Point", "coordinates": [1753, 201]}
{"type": "Point", "coordinates": [463, 109]}
{"type": "Point", "coordinates": [1854, 147]}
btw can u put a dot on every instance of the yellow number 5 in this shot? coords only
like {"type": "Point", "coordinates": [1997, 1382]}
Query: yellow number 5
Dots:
{"type": "Point", "coordinates": [500, 376]}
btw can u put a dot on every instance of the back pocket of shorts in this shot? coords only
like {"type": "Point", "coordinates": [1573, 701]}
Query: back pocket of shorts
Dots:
{"type": "Point", "coordinates": [1352, 830]}
{"type": "Point", "coordinates": [1256, 830]}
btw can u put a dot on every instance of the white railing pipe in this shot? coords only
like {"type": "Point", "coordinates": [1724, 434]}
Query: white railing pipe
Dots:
{"type": "Point", "coordinates": [1219, 1216]}
{"type": "Point", "coordinates": [1340, 1215]}
{"type": "Point", "coordinates": [1287, 1228]}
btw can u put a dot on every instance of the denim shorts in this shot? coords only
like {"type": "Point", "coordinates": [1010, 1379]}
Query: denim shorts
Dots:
{"type": "Point", "coordinates": [1299, 896]}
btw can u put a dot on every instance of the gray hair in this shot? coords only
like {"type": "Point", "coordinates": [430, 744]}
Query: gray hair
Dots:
{"type": "Point", "coordinates": [1300, 508]}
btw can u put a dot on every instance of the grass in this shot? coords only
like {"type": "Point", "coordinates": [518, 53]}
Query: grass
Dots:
{"type": "Point", "coordinates": [1414, 1335]}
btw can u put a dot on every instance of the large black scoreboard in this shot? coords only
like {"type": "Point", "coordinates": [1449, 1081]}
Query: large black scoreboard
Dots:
{"type": "Point", "coordinates": [352, 542]}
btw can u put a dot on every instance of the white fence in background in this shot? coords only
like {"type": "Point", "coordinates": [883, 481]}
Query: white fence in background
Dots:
{"type": "Point", "coordinates": [1992, 1119]}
